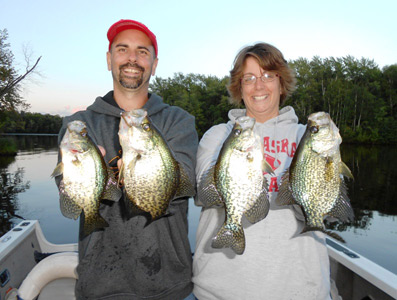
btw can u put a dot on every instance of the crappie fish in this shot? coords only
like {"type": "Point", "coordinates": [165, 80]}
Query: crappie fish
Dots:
{"type": "Point", "coordinates": [86, 178]}
{"type": "Point", "coordinates": [237, 182]}
{"type": "Point", "coordinates": [151, 175]}
{"type": "Point", "coordinates": [314, 180]}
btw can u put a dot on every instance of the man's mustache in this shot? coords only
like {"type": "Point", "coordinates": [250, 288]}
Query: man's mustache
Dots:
{"type": "Point", "coordinates": [129, 65]}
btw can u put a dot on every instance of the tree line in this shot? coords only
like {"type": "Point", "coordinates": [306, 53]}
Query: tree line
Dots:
{"type": "Point", "coordinates": [27, 122]}
{"type": "Point", "coordinates": [360, 97]}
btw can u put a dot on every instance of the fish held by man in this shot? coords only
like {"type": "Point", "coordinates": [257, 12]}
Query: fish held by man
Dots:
{"type": "Point", "coordinates": [150, 174]}
{"type": "Point", "coordinates": [86, 179]}
{"type": "Point", "coordinates": [314, 180]}
{"type": "Point", "coordinates": [237, 182]}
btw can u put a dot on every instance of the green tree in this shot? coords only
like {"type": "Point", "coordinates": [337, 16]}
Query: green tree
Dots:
{"type": "Point", "coordinates": [389, 87]}
{"type": "Point", "coordinates": [10, 80]}
{"type": "Point", "coordinates": [205, 97]}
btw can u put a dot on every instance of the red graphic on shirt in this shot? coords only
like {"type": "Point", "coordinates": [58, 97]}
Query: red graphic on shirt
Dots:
{"type": "Point", "coordinates": [271, 161]}
{"type": "Point", "coordinates": [276, 146]}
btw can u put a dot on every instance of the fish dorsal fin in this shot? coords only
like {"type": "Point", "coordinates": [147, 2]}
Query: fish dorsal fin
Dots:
{"type": "Point", "coordinates": [345, 171]}
{"type": "Point", "coordinates": [284, 196]}
{"type": "Point", "coordinates": [58, 170]}
{"type": "Point", "coordinates": [185, 187]}
{"type": "Point", "coordinates": [207, 191]}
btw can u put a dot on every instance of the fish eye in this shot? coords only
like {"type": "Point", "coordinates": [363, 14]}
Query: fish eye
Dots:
{"type": "Point", "coordinates": [83, 133]}
{"type": "Point", "coordinates": [146, 126]}
{"type": "Point", "coordinates": [313, 129]}
{"type": "Point", "coordinates": [237, 132]}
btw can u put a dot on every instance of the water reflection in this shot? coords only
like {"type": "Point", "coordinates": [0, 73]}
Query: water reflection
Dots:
{"type": "Point", "coordinates": [373, 186]}
{"type": "Point", "coordinates": [375, 176]}
{"type": "Point", "coordinates": [35, 142]}
{"type": "Point", "coordinates": [11, 184]}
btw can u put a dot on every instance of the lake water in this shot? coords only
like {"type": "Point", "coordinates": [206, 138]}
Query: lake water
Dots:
{"type": "Point", "coordinates": [373, 195]}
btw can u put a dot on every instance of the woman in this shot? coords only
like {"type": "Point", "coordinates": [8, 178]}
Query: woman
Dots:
{"type": "Point", "coordinates": [278, 263]}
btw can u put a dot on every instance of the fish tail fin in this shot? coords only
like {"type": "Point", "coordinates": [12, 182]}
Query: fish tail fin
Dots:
{"type": "Point", "coordinates": [132, 210]}
{"type": "Point", "coordinates": [327, 232]}
{"type": "Point", "coordinates": [94, 223]}
{"type": "Point", "coordinates": [150, 218]}
{"type": "Point", "coordinates": [230, 238]}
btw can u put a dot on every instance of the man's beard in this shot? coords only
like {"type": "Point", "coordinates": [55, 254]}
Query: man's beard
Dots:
{"type": "Point", "coordinates": [130, 83]}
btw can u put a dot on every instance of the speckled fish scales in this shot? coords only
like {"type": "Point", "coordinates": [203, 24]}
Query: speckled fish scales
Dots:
{"type": "Point", "coordinates": [85, 178]}
{"type": "Point", "coordinates": [236, 181]}
{"type": "Point", "coordinates": [314, 180]}
{"type": "Point", "coordinates": [151, 175]}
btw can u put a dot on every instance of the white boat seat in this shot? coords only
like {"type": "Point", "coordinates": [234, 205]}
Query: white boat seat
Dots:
{"type": "Point", "coordinates": [56, 274]}
{"type": "Point", "coordinates": [61, 289]}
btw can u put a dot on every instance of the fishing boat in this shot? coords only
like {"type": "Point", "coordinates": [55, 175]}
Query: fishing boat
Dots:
{"type": "Point", "coordinates": [33, 268]}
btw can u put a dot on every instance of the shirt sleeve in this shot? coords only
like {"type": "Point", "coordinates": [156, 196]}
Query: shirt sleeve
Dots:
{"type": "Point", "coordinates": [179, 131]}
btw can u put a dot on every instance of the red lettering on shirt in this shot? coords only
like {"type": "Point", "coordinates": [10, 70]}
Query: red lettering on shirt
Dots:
{"type": "Point", "coordinates": [266, 144]}
{"type": "Point", "coordinates": [284, 146]}
{"type": "Point", "coordinates": [293, 149]}
{"type": "Point", "coordinates": [273, 186]}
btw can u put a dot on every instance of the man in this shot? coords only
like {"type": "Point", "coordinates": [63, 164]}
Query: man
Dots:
{"type": "Point", "coordinates": [129, 260]}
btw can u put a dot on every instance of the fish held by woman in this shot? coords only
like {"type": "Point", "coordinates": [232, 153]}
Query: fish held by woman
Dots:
{"type": "Point", "coordinates": [237, 182]}
{"type": "Point", "coordinates": [314, 180]}
{"type": "Point", "coordinates": [151, 176]}
{"type": "Point", "coordinates": [86, 179]}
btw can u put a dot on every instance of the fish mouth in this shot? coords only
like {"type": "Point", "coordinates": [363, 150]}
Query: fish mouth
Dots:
{"type": "Point", "coordinates": [75, 151]}
{"type": "Point", "coordinates": [134, 118]}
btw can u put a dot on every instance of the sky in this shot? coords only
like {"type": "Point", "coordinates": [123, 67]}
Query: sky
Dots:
{"type": "Point", "coordinates": [200, 37]}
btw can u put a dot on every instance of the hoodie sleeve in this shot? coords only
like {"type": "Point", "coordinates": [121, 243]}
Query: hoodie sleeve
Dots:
{"type": "Point", "coordinates": [179, 131]}
{"type": "Point", "coordinates": [208, 150]}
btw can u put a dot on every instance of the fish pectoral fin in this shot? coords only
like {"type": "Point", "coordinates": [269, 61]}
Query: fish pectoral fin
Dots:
{"type": "Point", "coordinates": [259, 210]}
{"type": "Point", "coordinates": [207, 192]}
{"type": "Point", "coordinates": [230, 238]}
{"type": "Point", "coordinates": [345, 171]}
{"type": "Point", "coordinates": [284, 196]}
{"type": "Point", "coordinates": [69, 208]}
{"type": "Point", "coordinates": [58, 170]}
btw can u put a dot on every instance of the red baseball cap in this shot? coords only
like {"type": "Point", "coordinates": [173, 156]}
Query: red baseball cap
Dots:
{"type": "Point", "coordinates": [122, 25]}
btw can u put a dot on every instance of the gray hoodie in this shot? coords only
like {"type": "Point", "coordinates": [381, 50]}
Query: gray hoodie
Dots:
{"type": "Point", "coordinates": [128, 260]}
{"type": "Point", "coordinates": [278, 263]}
